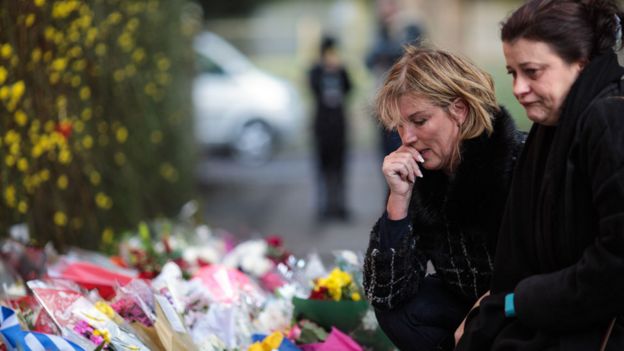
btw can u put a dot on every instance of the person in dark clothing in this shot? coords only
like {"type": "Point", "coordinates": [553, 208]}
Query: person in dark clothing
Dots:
{"type": "Point", "coordinates": [448, 185]}
{"type": "Point", "coordinates": [387, 49]}
{"type": "Point", "coordinates": [557, 283]}
{"type": "Point", "coordinates": [330, 84]}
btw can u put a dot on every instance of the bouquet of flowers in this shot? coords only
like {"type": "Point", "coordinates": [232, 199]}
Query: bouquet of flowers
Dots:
{"type": "Point", "coordinates": [335, 301]}
{"type": "Point", "coordinates": [337, 286]}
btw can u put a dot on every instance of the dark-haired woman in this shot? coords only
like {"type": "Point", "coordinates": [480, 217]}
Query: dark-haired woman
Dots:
{"type": "Point", "coordinates": [558, 282]}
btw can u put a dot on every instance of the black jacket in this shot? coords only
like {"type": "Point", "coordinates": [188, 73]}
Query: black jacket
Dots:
{"type": "Point", "coordinates": [561, 248]}
{"type": "Point", "coordinates": [453, 221]}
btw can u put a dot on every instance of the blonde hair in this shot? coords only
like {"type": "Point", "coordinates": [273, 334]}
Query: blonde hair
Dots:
{"type": "Point", "coordinates": [440, 77]}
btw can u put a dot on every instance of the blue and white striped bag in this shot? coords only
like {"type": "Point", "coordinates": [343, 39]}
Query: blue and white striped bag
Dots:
{"type": "Point", "coordinates": [17, 339]}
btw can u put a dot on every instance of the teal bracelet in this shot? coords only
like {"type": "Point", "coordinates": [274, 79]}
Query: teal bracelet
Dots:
{"type": "Point", "coordinates": [510, 309]}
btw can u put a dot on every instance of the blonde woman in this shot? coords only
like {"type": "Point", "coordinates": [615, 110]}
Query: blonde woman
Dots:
{"type": "Point", "coordinates": [448, 185]}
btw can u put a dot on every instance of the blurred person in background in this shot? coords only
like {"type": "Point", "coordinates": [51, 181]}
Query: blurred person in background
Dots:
{"type": "Point", "coordinates": [330, 85]}
{"type": "Point", "coordinates": [557, 283]}
{"type": "Point", "coordinates": [393, 32]}
{"type": "Point", "coordinates": [448, 185]}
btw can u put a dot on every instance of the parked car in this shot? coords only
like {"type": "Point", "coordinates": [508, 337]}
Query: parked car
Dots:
{"type": "Point", "coordinates": [240, 107]}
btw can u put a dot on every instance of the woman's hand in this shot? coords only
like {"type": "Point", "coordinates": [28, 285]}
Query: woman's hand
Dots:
{"type": "Point", "coordinates": [460, 330]}
{"type": "Point", "coordinates": [401, 169]}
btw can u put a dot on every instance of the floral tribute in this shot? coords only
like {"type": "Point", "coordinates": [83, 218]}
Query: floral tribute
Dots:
{"type": "Point", "coordinates": [337, 286]}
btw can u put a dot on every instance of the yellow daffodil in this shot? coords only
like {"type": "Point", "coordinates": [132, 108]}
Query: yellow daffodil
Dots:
{"type": "Point", "coordinates": [30, 20]}
{"type": "Point", "coordinates": [270, 343]}
{"type": "Point", "coordinates": [62, 182]}
{"type": "Point", "coordinates": [20, 118]}
{"type": "Point", "coordinates": [108, 236]}
{"type": "Point", "coordinates": [6, 50]}
{"type": "Point", "coordinates": [60, 219]}
{"type": "Point", "coordinates": [22, 207]}
{"type": "Point", "coordinates": [3, 74]}
{"type": "Point", "coordinates": [121, 134]}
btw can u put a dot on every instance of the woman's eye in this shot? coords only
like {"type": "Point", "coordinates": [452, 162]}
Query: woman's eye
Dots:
{"type": "Point", "coordinates": [511, 73]}
{"type": "Point", "coordinates": [419, 122]}
{"type": "Point", "coordinates": [531, 72]}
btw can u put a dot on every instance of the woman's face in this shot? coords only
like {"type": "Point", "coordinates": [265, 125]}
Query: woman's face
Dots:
{"type": "Point", "coordinates": [432, 130]}
{"type": "Point", "coordinates": [541, 79]}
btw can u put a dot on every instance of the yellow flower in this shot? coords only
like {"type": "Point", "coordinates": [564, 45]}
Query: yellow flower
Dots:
{"type": "Point", "coordinates": [103, 333]}
{"type": "Point", "coordinates": [105, 309]}
{"type": "Point", "coordinates": [14, 149]}
{"type": "Point", "coordinates": [114, 17]}
{"type": "Point", "coordinates": [9, 195]}
{"type": "Point", "coordinates": [35, 55]}
{"type": "Point", "coordinates": [22, 164]}
{"type": "Point", "coordinates": [270, 343]}
{"type": "Point", "coordinates": [44, 174]}
{"type": "Point", "coordinates": [20, 118]}
{"type": "Point", "coordinates": [87, 142]}
{"type": "Point", "coordinates": [59, 64]}
{"type": "Point", "coordinates": [65, 156]}
{"type": "Point", "coordinates": [79, 65]}
{"type": "Point", "coordinates": [9, 160]}
{"type": "Point", "coordinates": [3, 74]}
{"type": "Point", "coordinates": [164, 64]}
{"type": "Point", "coordinates": [121, 134]}
{"type": "Point", "coordinates": [40, 3]}
{"type": "Point", "coordinates": [18, 90]}
{"type": "Point", "coordinates": [75, 52]}
{"type": "Point", "coordinates": [30, 20]}
{"type": "Point", "coordinates": [125, 41]}
{"type": "Point", "coordinates": [75, 81]}
{"type": "Point", "coordinates": [100, 49]}
{"type": "Point", "coordinates": [103, 201]}
{"type": "Point", "coordinates": [119, 75]}
{"type": "Point", "coordinates": [78, 126]}
{"type": "Point", "coordinates": [5, 92]}
{"type": "Point", "coordinates": [47, 56]}
{"type": "Point", "coordinates": [95, 178]}
{"type": "Point", "coordinates": [60, 219]}
{"type": "Point", "coordinates": [85, 93]}
{"type": "Point", "coordinates": [91, 35]}
{"type": "Point", "coordinates": [62, 182]}
{"type": "Point", "coordinates": [86, 114]}
{"type": "Point", "coordinates": [138, 55]}
{"type": "Point", "coordinates": [54, 78]}
{"type": "Point", "coordinates": [6, 50]}
{"type": "Point", "coordinates": [356, 296]}
{"type": "Point", "coordinates": [22, 207]}
{"type": "Point", "coordinates": [108, 236]}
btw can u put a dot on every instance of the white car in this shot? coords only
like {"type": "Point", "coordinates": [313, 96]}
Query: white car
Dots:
{"type": "Point", "coordinates": [238, 106]}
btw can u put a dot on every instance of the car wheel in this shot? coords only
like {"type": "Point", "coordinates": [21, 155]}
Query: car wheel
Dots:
{"type": "Point", "coordinates": [255, 143]}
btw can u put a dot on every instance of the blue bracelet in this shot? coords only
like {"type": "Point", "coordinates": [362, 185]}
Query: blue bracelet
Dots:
{"type": "Point", "coordinates": [510, 309]}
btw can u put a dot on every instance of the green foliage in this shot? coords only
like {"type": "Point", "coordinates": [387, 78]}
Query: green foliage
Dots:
{"type": "Point", "coordinates": [95, 133]}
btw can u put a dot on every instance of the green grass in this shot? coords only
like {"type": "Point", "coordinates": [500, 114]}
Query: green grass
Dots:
{"type": "Point", "coordinates": [504, 93]}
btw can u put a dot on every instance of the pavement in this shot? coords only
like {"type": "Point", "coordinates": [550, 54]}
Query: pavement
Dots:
{"type": "Point", "coordinates": [279, 198]}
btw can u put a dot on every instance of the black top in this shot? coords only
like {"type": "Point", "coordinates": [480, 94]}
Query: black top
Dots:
{"type": "Point", "coordinates": [561, 246]}
{"type": "Point", "coordinates": [453, 222]}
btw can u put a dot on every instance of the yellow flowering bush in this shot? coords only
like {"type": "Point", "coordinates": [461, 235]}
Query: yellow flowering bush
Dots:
{"type": "Point", "coordinates": [94, 116]}
{"type": "Point", "coordinates": [337, 286]}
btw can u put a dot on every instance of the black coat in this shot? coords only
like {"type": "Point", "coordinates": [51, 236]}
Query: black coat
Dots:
{"type": "Point", "coordinates": [454, 223]}
{"type": "Point", "coordinates": [561, 248]}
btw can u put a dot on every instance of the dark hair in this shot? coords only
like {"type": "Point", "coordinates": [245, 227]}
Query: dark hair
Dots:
{"type": "Point", "coordinates": [575, 29]}
{"type": "Point", "coordinates": [327, 43]}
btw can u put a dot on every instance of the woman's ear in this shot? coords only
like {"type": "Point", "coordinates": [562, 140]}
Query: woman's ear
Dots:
{"type": "Point", "coordinates": [459, 110]}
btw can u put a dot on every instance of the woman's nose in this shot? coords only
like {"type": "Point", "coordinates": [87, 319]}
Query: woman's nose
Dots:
{"type": "Point", "coordinates": [408, 135]}
{"type": "Point", "coordinates": [520, 87]}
